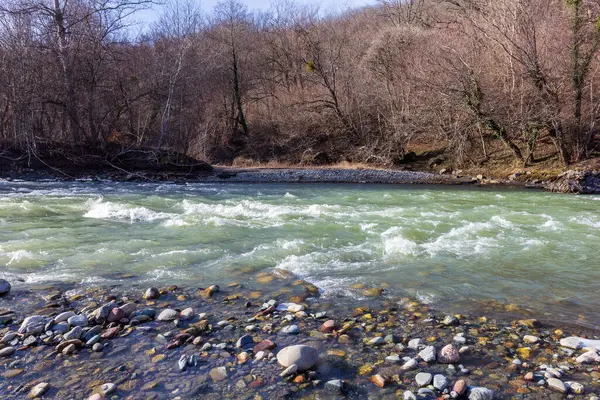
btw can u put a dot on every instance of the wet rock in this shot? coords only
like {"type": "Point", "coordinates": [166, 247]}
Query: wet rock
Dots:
{"type": "Point", "coordinates": [63, 316]}
{"type": "Point", "coordinates": [378, 381]}
{"type": "Point", "coordinates": [97, 347]}
{"type": "Point", "coordinates": [327, 327]}
{"type": "Point", "coordinates": [4, 287]}
{"type": "Point", "coordinates": [182, 364]}
{"type": "Point", "coordinates": [96, 396]}
{"type": "Point", "coordinates": [291, 370]}
{"type": "Point", "coordinates": [336, 386]}
{"type": "Point", "coordinates": [574, 342]}
{"type": "Point", "coordinates": [243, 358]}
{"type": "Point", "coordinates": [376, 341]}
{"type": "Point", "coordinates": [70, 349]}
{"type": "Point", "coordinates": [530, 339]}
{"type": "Point", "coordinates": [481, 393]}
{"type": "Point", "coordinates": [244, 342]}
{"type": "Point", "coordinates": [529, 323]}
{"type": "Point", "coordinates": [78, 320]}
{"type": "Point", "coordinates": [101, 313]}
{"type": "Point", "coordinates": [218, 374]}
{"type": "Point", "coordinates": [108, 388]}
{"type": "Point", "coordinates": [32, 325]}
{"type": "Point", "coordinates": [557, 385]}
{"type": "Point", "coordinates": [168, 315]}
{"type": "Point", "coordinates": [151, 294]}
{"type": "Point", "coordinates": [448, 355]}
{"type": "Point", "coordinates": [393, 359]}
{"type": "Point", "coordinates": [303, 356]}
{"type": "Point", "coordinates": [263, 346]}
{"type": "Point", "coordinates": [110, 333]}
{"type": "Point", "coordinates": [440, 382]}
{"type": "Point", "coordinates": [74, 333]}
{"type": "Point", "coordinates": [428, 354]}
{"type": "Point", "coordinates": [7, 352]}
{"type": "Point", "coordinates": [8, 337]}
{"type": "Point", "coordinates": [61, 328]}
{"type": "Point", "coordinates": [460, 387]}
{"type": "Point", "coordinates": [187, 314]}
{"type": "Point", "coordinates": [39, 390]}
{"type": "Point", "coordinates": [589, 357]}
{"type": "Point", "coordinates": [576, 387]}
{"type": "Point", "coordinates": [75, 342]}
{"type": "Point", "coordinates": [29, 341]}
{"type": "Point", "coordinates": [450, 320]}
{"type": "Point", "coordinates": [410, 365]}
{"type": "Point", "coordinates": [291, 330]}
{"type": "Point", "coordinates": [373, 292]}
{"type": "Point", "coordinates": [211, 291]}
{"type": "Point", "coordinates": [414, 344]}
{"type": "Point", "coordinates": [408, 395]}
{"type": "Point", "coordinates": [423, 378]}
{"type": "Point", "coordinates": [115, 315]}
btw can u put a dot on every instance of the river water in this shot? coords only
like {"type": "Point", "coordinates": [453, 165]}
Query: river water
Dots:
{"type": "Point", "coordinates": [449, 246]}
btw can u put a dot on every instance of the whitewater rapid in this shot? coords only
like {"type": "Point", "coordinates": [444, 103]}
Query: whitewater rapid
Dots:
{"type": "Point", "coordinates": [437, 243]}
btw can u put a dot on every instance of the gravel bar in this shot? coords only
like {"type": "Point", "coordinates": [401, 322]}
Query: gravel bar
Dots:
{"type": "Point", "coordinates": [329, 176]}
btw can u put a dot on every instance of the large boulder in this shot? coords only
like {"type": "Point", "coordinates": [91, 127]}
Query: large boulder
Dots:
{"type": "Point", "coordinates": [582, 182]}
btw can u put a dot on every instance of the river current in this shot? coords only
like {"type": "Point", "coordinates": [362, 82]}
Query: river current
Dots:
{"type": "Point", "coordinates": [449, 246]}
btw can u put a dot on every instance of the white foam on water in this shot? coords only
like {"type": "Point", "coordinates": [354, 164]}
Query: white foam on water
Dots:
{"type": "Point", "coordinates": [176, 222]}
{"type": "Point", "coordinates": [551, 224]}
{"type": "Point", "coordinates": [333, 288]}
{"type": "Point", "coordinates": [290, 245]}
{"type": "Point", "coordinates": [290, 196]}
{"type": "Point", "coordinates": [165, 274]}
{"type": "Point", "coordinates": [394, 243]}
{"type": "Point", "coordinates": [368, 227]}
{"type": "Point", "coordinates": [99, 209]}
{"type": "Point", "coordinates": [19, 256]}
{"type": "Point", "coordinates": [588, 221]}
{"type": "Point", "coordinates": [533, 243]}
{"type": "Point", "coordinates": [425, 298]}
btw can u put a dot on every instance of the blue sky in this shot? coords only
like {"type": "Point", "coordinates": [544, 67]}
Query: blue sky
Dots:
{"type": "Point", "coordinates": [148, 16]}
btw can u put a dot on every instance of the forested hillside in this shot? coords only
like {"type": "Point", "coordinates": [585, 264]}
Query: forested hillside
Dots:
{"type": "Point", "coordinates": [473, 80]}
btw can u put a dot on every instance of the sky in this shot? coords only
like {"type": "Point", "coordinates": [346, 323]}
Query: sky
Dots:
{"type": "Point", "coordinates": [144, 18]}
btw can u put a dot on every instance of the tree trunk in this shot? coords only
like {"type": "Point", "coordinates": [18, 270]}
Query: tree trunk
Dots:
{"type": "Point", "coordinates": [237, 96]}
{"type": "Point", "coordinates": [556, 136]}
{"type": "Point", "coordinates": [63, 55]}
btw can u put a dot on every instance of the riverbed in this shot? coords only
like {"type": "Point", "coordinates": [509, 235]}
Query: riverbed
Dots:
{"type": "Point", "coordinates": [451, 247]}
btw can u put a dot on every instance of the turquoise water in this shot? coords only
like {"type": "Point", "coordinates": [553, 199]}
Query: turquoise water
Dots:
{"type": "Point", "coordinates": [448, 246]}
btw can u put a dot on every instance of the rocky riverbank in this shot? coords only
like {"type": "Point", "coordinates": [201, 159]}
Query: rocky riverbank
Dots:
{"type": "Point", "coordinates": [330, 175]}
{"type": "Point", "coordinates": [230, 342]}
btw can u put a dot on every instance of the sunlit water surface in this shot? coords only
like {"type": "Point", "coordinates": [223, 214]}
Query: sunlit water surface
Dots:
{"type": "Point", "coordinates": [449, 246]}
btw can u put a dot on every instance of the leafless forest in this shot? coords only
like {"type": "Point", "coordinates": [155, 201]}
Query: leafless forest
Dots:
{"type": "Point", "coordinates": [295, 85]}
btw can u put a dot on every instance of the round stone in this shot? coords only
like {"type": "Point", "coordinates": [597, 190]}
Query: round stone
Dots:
{"type": "Point", "coordinates": [218, 374]}
{"type": "Point", "coordinates": [4, 287]}
{"type": "Point", "coordinates": [440, 382]}
{"type": "Point", "coordinates": [168, 315]}
{"type": "Point", "coordinates": [39, 390]}
{"type": "Point", "coordinates": [448, 355]}
{"type": "Point", "coordinates": [115, 315]}
{"type": "Point", "coordinates": [303, 356]}
{"type": "Point", "coordinates": [78, 320]}
{"type": "Point", "coordinates": [108, 388]}
{"type": "Point", "coordinates": [291, 330]}
{"type": "Point", "coordinates": [481, 393]}
{"type": "Point", "coordinates": [423, 378]}
{"type": "Point", "coordinates": [151, 294]}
